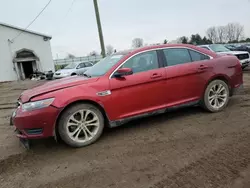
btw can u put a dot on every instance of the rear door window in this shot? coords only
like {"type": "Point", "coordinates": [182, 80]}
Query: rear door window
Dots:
{"type": "Point", "coordinates": [177, 56]}
{"type": "Point", "coordinates": [88, 64]}
{"type": "Point", "coordinates": [196, 56]}
{"type": "Point", "coordinates": [81, 65]}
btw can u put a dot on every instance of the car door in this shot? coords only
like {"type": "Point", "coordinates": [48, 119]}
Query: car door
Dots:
{"type": "Point", "coordinates": [80, 68]}
{"type": "Point", "coordinates": [186, 73]}
{"type": "Point", "coordinates": [87, 66]}
{"type": "Point", "coordinates": [140, 92]}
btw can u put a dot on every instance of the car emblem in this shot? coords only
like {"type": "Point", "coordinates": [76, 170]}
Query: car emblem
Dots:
{"type": "Point", "coordinates": [104, 93]}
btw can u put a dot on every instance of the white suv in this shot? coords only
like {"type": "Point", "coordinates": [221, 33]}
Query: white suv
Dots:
{"type": "Point", "coordinates": [243, 56]}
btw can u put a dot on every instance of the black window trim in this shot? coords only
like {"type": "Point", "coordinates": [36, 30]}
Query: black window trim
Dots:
{"type": "Point", "coordinates": [155, 49]}
{"type": "Point", "coordinates": [188, 49]}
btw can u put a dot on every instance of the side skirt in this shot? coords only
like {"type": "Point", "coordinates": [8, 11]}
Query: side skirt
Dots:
{"type": "Point", "coordinates": [120, 122]}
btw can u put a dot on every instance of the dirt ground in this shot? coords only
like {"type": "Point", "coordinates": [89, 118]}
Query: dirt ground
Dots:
{"type": "Point", "coordinates": [187, 148]}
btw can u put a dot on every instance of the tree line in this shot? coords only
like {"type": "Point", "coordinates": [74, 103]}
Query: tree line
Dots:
{"type": "Point", "coordinates": [229, 33]}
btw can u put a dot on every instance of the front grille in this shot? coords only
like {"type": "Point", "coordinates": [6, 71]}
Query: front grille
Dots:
{"type": "Point", "coordinates": [242, 56]}
{"type": "Point", "coordinates": [57, 73]}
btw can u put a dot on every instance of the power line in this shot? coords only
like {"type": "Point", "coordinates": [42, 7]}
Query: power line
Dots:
{"type": "Point", "coordinates": [65, 16]}
{"type": "Point", "coordinates": [33, 20]}
{"type": "Point", "coordinates": [71, 5]}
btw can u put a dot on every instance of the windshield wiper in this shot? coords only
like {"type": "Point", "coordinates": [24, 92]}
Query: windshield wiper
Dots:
{"type": "Point", "coordinates": [86, 75]}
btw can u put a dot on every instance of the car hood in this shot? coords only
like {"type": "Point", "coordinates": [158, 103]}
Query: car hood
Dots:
{"type": "Point", "coordinates": [54, 86]}
{"type": "Point", "coordinates": [65, 71]}
{"type": "Point", "coordinates": [233, 52]}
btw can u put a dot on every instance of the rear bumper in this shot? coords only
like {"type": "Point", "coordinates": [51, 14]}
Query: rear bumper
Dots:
{"type": "Point", "coordinates": [238, 90]}
{"type": "Point", "coordinates": [245, 63]}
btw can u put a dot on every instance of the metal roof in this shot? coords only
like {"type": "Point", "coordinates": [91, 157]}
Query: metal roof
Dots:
{"type": "Point", "coordinates": [23, 30]}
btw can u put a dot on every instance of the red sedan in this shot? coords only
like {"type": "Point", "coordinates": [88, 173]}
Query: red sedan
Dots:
{"type": "Point", "coordinates": [124, 86]}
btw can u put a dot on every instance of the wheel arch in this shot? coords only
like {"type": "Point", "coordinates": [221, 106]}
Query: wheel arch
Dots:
{"type": "Point", "coordinates": [85, 101]}
{"type": "Point", "coordinates": [222, 77]}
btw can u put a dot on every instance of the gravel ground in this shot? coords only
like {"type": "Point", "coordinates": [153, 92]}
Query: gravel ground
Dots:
{"type": "Point", "coordinates": [186, 148]}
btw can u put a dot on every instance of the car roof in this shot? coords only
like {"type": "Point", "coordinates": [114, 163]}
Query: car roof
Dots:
{"type": "Point", "coordinates": [146, 48]}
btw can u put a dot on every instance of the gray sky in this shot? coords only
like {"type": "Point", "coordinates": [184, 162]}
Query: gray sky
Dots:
{"type": "Point", "coordinates": [122, 20]}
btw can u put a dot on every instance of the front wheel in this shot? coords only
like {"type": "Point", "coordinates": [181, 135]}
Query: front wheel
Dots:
{"type": "Point", "coordinates": [81, 125]}
{"type": "Point", "coordinates": [216, 96]}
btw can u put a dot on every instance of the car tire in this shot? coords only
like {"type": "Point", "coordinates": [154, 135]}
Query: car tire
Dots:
{"type": "Point", "coordinates": [73, 118]}
{"type": "Point", "coordinates": [216, 96]}
{"type": "Point", "coordinates": [244, 67]}
{"type": "Point", "coordinates": [73, 74]}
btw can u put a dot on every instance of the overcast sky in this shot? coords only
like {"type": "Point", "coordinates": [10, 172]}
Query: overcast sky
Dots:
{"type": "Point", "coordinates": [122, 20]}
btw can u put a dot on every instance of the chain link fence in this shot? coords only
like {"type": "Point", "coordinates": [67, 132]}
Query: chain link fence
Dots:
{"type": "Point", "coordinates": [60, 63]}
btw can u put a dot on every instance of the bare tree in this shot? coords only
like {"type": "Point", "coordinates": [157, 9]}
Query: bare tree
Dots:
{"type": "Point", "coordinates": [212, 34]}
{"type": "Point", "coordinates": [109, 49]}
{"type": "Point", "coordinates": [234, 31]}
{"type": "Point", "coordinates": [222, 34]}
{"type": "Point", "coordinates": [137, 42]}
{"type": "Point", "coordinates": [239, 31]}
{"type": "Point", "coordinates": [230, 32]}
{"type": "Point", "coordinates": [177, 41]}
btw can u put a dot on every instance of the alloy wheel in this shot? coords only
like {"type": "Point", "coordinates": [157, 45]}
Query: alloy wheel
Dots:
{"type": "Point", "coordinates": [217, 96]}
{"type": "Point", "coordinates": [83, 125]}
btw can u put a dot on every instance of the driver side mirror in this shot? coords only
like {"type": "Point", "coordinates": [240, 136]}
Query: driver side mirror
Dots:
{"type": "Point", "coordinates": [123, 72]}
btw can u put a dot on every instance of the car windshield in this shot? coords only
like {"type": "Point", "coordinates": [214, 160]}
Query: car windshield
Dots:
{"type": "Point", "coordinates": [71, 66]}
{"type": "Point", "coordinates": [219, 48]}
{"type": "Point", "coordinates": [103, 66]}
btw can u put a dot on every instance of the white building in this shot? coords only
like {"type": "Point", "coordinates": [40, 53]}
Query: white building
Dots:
{"type": "Point", "coordinates": [22, 52]}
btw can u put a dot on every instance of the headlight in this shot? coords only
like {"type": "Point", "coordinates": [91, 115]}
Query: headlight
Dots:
{"type": "Point", "coordinates": [37, 104]}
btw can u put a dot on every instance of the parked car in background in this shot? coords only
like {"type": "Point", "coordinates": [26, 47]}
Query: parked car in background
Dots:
{"type": "Point", "coordinates": [74, 68]}
{"type": "Point", "coordinates": [244, 47]}
{"type": "Point", "coordinates": [243, 56]}
{"type": "Point", "coordinates": [230, 46]}
{"type": "Point", "coordinates": [125, 86]}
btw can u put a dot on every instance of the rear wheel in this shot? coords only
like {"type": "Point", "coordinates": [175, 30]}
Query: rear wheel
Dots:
{"type": "Point", "coordinates": [216, 96]}
{"type": "Point", "coordinates": [244, 67]}
{"type": "Point", "coordinates": [73, 74]}
{"type": "Point", "coordinates": [81, 125]}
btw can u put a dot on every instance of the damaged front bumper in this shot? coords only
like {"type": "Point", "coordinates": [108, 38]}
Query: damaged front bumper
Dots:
{"type": "Point", "coordinates": [37, 124]}
{"type": "Point", "coordinates": [25, 142]}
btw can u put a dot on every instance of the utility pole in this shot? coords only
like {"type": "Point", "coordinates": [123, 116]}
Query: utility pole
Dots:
{"type": "Point", "coordinates": [98, 21]}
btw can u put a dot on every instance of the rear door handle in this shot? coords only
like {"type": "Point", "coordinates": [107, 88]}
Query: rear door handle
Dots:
{"type": "Point", "coordinates": [155, 75]}
{"type": "Point", "coordinates": [202, 67]}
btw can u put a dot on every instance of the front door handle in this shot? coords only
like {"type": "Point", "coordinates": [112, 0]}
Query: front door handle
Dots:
{"type": "Point", "coordinates": [155, 75]}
